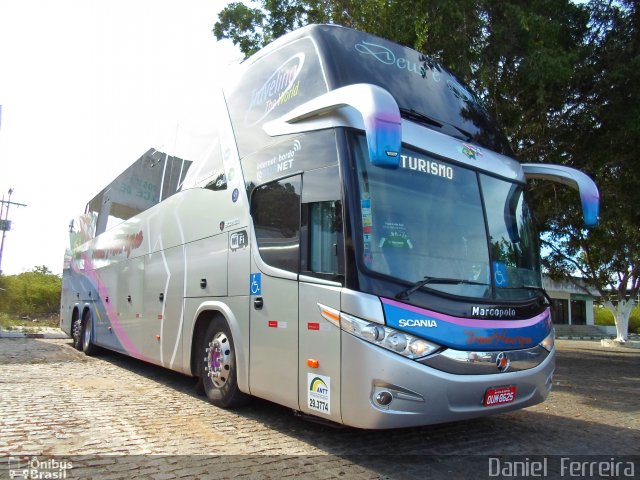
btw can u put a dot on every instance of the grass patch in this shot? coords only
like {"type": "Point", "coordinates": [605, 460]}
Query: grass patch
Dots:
{"type": "Point", "coordinates": [8, 322]}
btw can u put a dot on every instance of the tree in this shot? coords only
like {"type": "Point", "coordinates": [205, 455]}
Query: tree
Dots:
{"type": "Point", "coordinates": [600, 134]}
{"type": "Point", "coordinates": [562, 78]}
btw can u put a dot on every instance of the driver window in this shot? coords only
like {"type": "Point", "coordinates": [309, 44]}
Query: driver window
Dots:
{"type": "Point", "coordinates": [275, 209]}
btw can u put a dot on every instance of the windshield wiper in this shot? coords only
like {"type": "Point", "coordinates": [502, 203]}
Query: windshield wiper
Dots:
{"type": "Point", "coordinates": [531, 287]}
{"type": "Point", "coordinates": [452, 130]}
{"type": "Point", "coordinates": [412, 114]}
{"type": "Point", "coordinates": [404, 294]}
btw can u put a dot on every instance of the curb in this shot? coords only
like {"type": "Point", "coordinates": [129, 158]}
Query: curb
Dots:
{"type": "Point", "coordinates": [612, 343]}
{"type": "Point", "coordinates": [576, 337]}
{"type": "Point", "coordinates": [52, 334]}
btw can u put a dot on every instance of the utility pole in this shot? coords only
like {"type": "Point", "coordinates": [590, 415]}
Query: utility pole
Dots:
{"type": "Point", "coordinates": [5, 224]}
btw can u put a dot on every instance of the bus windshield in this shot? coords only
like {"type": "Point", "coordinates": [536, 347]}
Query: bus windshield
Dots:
{"type": "Point", "coordinates": [427, 219]}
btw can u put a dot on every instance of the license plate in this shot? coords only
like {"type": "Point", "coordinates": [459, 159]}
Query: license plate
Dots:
{"type": "Point", "coordinates": [499, 396]}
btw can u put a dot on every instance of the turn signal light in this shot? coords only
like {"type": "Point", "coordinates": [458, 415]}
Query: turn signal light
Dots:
{"type": "Point", "coordinates": [312, 363]}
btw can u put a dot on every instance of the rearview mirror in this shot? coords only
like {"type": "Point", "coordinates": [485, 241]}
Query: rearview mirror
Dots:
{"type": "Point", "coordinates": [589, 195]}
{"type": "Point", "coordinates": [378, 111]}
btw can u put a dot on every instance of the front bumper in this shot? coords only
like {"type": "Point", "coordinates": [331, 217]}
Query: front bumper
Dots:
{"type": "Point", "coordinates": [422, 395]}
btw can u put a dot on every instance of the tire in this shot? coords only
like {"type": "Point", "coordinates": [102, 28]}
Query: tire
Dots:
{"type": "Point", "coordinates": [88, 347]}
{"type": "Point", "coordinates": [218, 372]}
{"type": "Point", "coordinates": [76, 331]}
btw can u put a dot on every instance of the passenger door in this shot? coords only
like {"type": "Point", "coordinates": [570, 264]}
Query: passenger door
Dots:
{"type": "Point", "coordinates": [273, 288]}
{"type": "Point", "coordinates": [321, 279]}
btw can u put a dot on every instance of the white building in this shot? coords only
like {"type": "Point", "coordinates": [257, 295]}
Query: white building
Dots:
{"type": "Point", "coordinates": [571, 305]}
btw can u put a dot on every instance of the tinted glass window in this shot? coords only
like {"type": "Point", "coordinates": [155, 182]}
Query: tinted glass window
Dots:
{"type": "Point", "coordinates": [423, 219]}
{"type": "Point", "coordinates": [273, 85]}
{"type": "Point", "coordinates": [291, 156]}
{"type": "Point", "coordinates": [578, 312]}
{"type": "Point", "coordinates": [325, 227]}
{"type": "Point", "coordinates": [208, 172]}
{"type": "Point", "coordinates": [513, 238]}
{"type": "Point", "coordinates": [560, 311]}
{"type": "Point", "coordinates": [426, 219]}
{"type": "Point", "coordinates": [419, 84]}
{"type": "Point", "coordinates": [275, 208]}
{"type": "Point", "coordinates": [152, 178]}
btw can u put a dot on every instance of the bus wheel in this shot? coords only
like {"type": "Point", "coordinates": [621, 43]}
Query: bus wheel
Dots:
{"type": "Point", "coordinates": [76, 332]}
{"type": "Point", "coordinates": [219, 373]}
{"type": "Point", "coordinates": [88, 347]}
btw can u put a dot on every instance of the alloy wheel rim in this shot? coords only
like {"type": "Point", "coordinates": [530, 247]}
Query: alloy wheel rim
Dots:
{"type": "Point", "coordinates": [218, 359]}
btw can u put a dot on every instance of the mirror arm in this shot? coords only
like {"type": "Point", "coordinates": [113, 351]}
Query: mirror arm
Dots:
{"type": "Point", "coordinates": [589, 195]}
{"type": "Point", "coordinates": [378, 109]}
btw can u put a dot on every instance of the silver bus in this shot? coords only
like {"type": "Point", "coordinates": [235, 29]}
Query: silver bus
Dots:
{"type": "Point", "coordinates": [356, 245]}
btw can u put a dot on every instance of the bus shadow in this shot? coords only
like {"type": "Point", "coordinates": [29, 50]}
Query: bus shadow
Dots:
{"type": "Point", "coordinates": [408, 452]}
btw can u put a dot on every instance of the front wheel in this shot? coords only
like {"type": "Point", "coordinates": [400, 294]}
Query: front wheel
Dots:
{"type": "Point", "coordinates": [218, 372]}
{"type": "Point", "coordinates": [88, 347]}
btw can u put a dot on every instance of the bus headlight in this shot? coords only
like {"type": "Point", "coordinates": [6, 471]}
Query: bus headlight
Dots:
{"type": "Point", "coordinates": [549, 342]}
{"type": "Point", "coordinates": [420, 347]}
{"type": "Point", "coordinates": [372, 332]}
{"type": "Point", "coordinates": [388, 338]}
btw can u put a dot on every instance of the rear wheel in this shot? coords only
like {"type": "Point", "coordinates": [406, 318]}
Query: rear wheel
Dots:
{"type": "Point", "coordinates": [218, 371]}
{"type": "Point", "coordinates": [88, 346]}
{"type": "Point", "coordinates": [76, 331]}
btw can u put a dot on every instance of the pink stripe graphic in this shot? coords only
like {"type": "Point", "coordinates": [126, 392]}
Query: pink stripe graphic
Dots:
{"type": "Point", "coordinates": [124, 339]}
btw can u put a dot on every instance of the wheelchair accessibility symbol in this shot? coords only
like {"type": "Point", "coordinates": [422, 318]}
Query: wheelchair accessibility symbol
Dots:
{"type": "Point", "coordinates": [499, 274]}
{"type": "Point", "coordinates": [255, 284]}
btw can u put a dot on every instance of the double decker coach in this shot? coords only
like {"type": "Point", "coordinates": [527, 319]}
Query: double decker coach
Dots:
{"type": "Point", "coordinates": [357, 245]}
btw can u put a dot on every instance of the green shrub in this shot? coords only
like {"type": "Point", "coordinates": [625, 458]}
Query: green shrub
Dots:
{"type": "Point", "coordinates": [602, 316]}
{"type": "Point", "coordinates": [634, 320]}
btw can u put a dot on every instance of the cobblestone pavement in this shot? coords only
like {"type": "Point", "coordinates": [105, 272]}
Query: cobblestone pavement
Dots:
{"type": "Point", "coordinates": [116, 417]}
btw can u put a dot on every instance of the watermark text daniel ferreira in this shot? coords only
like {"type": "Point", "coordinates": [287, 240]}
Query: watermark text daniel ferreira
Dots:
{"type": "Point", "coordinates": [563, 466]}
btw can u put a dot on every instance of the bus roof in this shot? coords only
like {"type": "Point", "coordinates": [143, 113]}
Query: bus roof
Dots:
{"type": "Point", "coordinates": [314, 59]}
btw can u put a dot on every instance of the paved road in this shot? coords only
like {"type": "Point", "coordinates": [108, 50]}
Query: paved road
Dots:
{"type": "Point", "coordinates": [116, 417]}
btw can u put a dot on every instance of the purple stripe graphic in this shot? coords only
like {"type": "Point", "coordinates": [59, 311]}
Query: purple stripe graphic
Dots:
{"type": "Point", "coordinates": [469, 322]}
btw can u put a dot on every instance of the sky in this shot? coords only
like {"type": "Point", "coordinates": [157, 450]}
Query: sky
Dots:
{"type": "Point", "coordinates": [87, 87]}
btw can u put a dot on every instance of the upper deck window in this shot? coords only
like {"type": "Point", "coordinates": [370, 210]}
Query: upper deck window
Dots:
{"type": "Point", "coordinates": [270, 87]}
{"type": "Point", "coordinates": [425, 91]}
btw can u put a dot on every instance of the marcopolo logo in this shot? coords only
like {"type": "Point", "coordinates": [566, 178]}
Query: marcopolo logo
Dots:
{"type": "Point", "coordinates": [495, 312]}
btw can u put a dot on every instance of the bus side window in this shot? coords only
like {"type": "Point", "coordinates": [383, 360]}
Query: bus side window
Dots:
{"type": "Point", "coordinates": [322, 242]}
{"type": "Point", "coordinates": [275, 208]}
{"type": "Point", "coordinates": [322, 223]}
